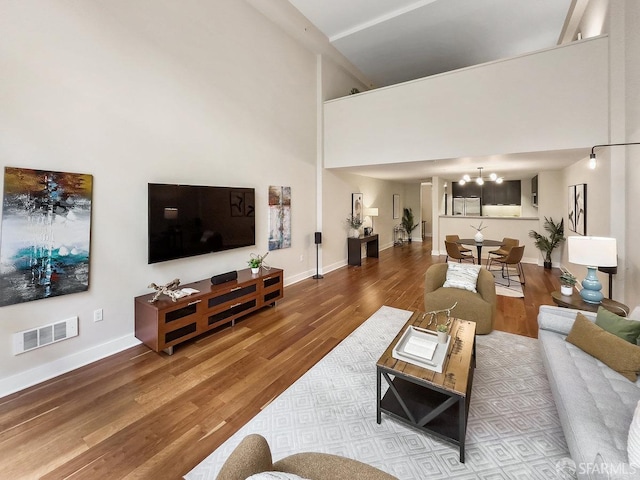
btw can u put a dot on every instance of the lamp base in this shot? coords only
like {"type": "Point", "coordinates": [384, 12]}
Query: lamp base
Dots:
{"type": "Point", "coordinates": [591, 287]}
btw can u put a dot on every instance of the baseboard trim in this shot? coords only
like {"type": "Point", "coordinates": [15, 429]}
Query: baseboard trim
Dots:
{"type": "Point", "coordinates": [63, 365]}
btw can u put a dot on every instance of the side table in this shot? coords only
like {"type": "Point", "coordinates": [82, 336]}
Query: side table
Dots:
{"type": "Point", "coordinates": [575, 301]}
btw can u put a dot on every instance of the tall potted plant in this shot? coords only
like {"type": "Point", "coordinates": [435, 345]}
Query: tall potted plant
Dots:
{"type": "Point", "coordinates": [548, 244]}
{"type": "Point", "coordinates": [407, 221]}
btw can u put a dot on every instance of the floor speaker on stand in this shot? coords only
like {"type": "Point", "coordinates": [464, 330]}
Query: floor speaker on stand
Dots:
{"type": "Point", "coordinates": [318, 241]}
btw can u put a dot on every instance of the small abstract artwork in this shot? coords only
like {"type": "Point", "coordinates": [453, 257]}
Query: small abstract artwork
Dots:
{"type": "Point", "coordinates": [396, 205]}
{"type": "Point", "coordinates": [46, 231]}
{"type": "Point", "coordinates": [279, 217]}
{"type": "Point", "coordinates": [578, 208]}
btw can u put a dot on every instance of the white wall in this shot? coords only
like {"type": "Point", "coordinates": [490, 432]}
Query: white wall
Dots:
{"type": "Point", "coordinates": [632, 117]}
{"type": "Point", "coordinates": [190, 92]}
{"type": "Point", "coordinates": [427, 208]}
{"type": "Point", "coordinates": [551, 100]}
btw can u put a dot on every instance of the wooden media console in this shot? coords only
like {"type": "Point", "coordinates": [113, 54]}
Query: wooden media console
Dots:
{"type": "Point", "coordinates": [163, 324]}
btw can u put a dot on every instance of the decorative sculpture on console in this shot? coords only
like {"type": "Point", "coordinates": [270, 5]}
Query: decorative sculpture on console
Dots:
{"type": "Point", "coordinates": [169, 289]}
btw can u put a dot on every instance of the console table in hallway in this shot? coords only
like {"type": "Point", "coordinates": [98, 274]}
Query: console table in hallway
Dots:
{"type": "Point", "coordinates": [355, 251]}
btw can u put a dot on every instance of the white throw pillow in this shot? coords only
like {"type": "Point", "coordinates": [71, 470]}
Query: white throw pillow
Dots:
{"type": "Point", "coordinates": [274, 476]}
{"type": "Point", "coordinates": [462, 276]}
{"type": "Point", "coordinates": [633, 442]}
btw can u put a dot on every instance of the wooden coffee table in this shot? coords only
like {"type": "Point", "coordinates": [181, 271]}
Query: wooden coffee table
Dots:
{"type": "Point", "coordinates": [437, 403]}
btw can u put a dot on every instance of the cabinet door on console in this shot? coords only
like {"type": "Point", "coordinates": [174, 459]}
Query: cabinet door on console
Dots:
{"type": "Point", "coordinates": [272, 289]}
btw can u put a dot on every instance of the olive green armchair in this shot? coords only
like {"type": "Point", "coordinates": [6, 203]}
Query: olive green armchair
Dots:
{"type": "Point", "coordinates": [478, 307]}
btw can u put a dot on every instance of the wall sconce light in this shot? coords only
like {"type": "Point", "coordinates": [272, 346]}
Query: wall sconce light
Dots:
{"type": "Point", "coordinates": [592, 157]}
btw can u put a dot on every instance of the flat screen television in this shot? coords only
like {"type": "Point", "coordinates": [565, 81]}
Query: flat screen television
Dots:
{"type": "Point", "coordinates": [188, 220]}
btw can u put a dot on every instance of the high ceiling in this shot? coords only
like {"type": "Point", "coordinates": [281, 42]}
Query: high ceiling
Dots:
{"type": "Point", "coordinates": [393, 41]}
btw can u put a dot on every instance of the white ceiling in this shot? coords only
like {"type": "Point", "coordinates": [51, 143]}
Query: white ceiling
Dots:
{"type": "Point", "coordinates": [393, 41]}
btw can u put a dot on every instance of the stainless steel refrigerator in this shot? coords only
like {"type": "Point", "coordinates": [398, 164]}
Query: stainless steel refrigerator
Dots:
{"type": "Point", "coordinates": [466, 206]}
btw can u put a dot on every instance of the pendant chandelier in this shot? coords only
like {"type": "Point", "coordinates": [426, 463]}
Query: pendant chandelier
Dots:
{"type": "Point", "coordinates": [479, 179]}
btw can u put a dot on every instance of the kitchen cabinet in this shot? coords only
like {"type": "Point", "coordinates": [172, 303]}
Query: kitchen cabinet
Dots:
{"type": "Point", "coordinates": [505, 193]}
{"type": "Point", "coordinates": [469, 189]}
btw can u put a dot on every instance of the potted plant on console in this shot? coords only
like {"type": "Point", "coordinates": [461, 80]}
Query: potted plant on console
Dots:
{"type": "Point", "coordinates": [255, 262]}
{"type": "Point", "coordinates": [567, 282]}
{"type": "Point", "coordinates": [354, 222]}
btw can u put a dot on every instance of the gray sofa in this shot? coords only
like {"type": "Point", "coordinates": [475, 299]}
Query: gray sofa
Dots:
{"type": "Point", "coordinates": [595, 404]}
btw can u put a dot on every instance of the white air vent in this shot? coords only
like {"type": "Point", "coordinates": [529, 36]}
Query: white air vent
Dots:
{"type": "Point", "coordinates": [45, 335]}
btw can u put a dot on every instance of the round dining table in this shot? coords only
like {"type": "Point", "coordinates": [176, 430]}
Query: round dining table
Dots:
{"type": "Point", "coordinates": [479, 245]}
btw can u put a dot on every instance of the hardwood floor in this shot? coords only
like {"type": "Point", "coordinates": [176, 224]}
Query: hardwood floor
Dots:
{"type": "Point", "coordinates": [139, 414]}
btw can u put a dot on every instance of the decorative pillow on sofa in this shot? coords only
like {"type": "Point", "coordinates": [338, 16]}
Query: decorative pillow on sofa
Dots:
{"type": "Point", "coordinates": [274, 476]}
{"type": "Point", "coordinates": [628, 330]}
{"type": "Point", "coordinates": [462, 276]}
{"type": "Point", "coordinates": [616, 353]}
{"type": "Point", "coordinates": [633, 442]}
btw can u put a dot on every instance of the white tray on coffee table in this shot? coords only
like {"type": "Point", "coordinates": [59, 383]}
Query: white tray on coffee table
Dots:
{"type": "Point", "coordinates": [421, 348]}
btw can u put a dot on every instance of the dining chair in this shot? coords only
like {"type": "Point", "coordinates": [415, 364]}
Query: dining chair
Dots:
{"type": "Point", "coordinates": [456, 239]}
{"type": "Point", "coordinates": [513, 258]}
{"type": "Point", "coordinates": [453, 251]}
{"type": "Point", "coordinates": [503, 250]}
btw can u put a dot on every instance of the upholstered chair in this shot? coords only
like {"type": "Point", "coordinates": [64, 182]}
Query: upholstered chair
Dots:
{"type": "Point", "coordinates": [478, 307]}
{"type": "Point", "coordinates": [514, 258]}
{"type": "Point", "coordinates": [456, 239]}
{"type": "Point", "coordinates": [253, 456]}
{"type": "Point", "coordinates": [453, 251]}
{"type": "Point", "coordinates": [503, 251]}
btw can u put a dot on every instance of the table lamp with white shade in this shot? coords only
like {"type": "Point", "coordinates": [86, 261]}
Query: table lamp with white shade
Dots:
{"type": "Point", "coordinates": [593, 252]}
{"type": "Point", "coordinates": [371, 212]}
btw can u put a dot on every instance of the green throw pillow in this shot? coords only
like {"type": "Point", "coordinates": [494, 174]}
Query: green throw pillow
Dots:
{"type": "Point", "coordinates": [611, 350]}
{"type": "Point", "coordinates": [628, 330]}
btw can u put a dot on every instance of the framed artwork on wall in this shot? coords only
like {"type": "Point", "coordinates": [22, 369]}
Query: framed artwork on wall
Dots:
{"type": "Point", "coordinates": [578, 208]}
{"type": "Point", "coordinates": [357, 208]}
{"type": "Point", "coordinates": [279, 217]}
{"type": "Point", "coordinates": [46, 232]}
{"type": "Point", "coordinates": [396, 205]}
{"type": "Point", "coordinates": [571, 202]}
{"type": "Point", "coordinates": [581, 209]}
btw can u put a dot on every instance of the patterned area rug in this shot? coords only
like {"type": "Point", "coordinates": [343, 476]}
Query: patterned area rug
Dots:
{"type": "Point", "coordinates": [514, 289]}
{"type": "Point", "coordinates": [513, 429]}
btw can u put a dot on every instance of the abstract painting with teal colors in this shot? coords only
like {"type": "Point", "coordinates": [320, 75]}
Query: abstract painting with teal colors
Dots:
{"type": "Point", "coordinates": [46, 232]}
{"type": "Point", "coordinates": [279, 217]}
